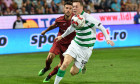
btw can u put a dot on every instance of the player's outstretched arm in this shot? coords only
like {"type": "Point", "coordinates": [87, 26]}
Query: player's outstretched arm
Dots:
{"type": "Point", "coordinates": [67, 32]}
{"type": "Point", "coordinates": [53, 26]}
{"type": "Point", "coordinates": [110, 42]}
{"type": "Point", "coordinates": [101, 27]}
{"type": "Point", "coordinates": [58, 38]}
{"type": "Point", "coordinates": [106, 35]}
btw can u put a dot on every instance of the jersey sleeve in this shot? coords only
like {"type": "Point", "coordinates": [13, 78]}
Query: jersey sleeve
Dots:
{"type": "Point", "coordinates": [97, 24]}
{"type": "Point", "coordinates": [68, 31]}
{"type": "Point", "coordinates": [24, 21]}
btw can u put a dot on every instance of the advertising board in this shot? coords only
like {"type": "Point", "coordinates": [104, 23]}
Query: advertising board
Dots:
{"type": "Point", "coordinates": [30, 40]}
{"type": "Point", "coordinates": [41, 21]}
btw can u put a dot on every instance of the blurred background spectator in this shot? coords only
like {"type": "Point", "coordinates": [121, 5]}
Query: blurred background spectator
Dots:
{"type": "Point", "coordinates": [3, 6]}
{"type": "Point", "coordinates": [19, 22]}
{"type": "Point", "coordinates": [88, 11]}
{"type": "Point", "coordinates": [8, 12]}
{"type": "Point", "coordinates": [8, 2]}
{"type": "Point", "coordinates": [39, 7]}
{"type": "Point", "coordinates": [96, 5]}
{"type": "Point", "coordinates": [23, 11]}
{"type": "Point", "coordinates": [27, 6]}
{"type": "Point", "coordinates": [19, 3]}
{"type": "Point", "coordinates": [137, 17]}
{"type": "Point", "coordinates": [12, 7]}
{"type": "Point", "coordinates": [115, 6]}
{"type": "Point", "coordinates": [123, 6]}
{"type": "Point", "coordinates": [61, 6]}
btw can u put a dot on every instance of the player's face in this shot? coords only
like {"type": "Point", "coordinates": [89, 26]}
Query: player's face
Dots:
{"type": "Point", "coordinates": [68, 10]}
{"type": "Point", "coordinates": [77, 8]}
{"type": "Point", "coordinates": [18, 18]}
{"type": "Point", "coordinates": [138, 11]}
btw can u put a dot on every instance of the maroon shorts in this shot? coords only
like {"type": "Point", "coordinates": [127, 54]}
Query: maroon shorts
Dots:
{"type": "Point", "coordinates": [59, 49]}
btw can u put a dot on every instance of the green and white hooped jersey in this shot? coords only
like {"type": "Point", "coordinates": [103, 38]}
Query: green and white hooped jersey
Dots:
{"type": "Point", "coordinates": [86, 36]}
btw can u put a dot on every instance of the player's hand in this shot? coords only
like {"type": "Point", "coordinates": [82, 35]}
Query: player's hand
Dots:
{"type": "Point", "coordinates": [43, 32]}
{"type": "Point", "coordinates": [110, 42]}
{"type": "Point", "coordinates": [58, 38]}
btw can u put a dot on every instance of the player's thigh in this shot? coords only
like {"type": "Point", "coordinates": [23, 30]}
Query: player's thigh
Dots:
{"type": "Point", "coordinates": [67, 60]}
{"type": "Point", "coordinates": [74, 70]}
{"type": "Point", "coordinates": [55, 48]}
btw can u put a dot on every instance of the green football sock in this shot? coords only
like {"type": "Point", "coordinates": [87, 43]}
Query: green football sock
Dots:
{"type": "Point", "coordinates": [79, 71]}
{"type": "Point", "coordinates": [60, 73]}
{"type": "Point", "coordinates": [59, 76]}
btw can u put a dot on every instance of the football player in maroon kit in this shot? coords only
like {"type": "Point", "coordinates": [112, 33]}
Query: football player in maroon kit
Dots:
{"type": "Point", "coordinates": [58, 48]}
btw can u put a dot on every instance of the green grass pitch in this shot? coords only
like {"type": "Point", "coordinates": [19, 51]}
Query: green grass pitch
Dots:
{"type": "Point", "coordinates": [106, 66]}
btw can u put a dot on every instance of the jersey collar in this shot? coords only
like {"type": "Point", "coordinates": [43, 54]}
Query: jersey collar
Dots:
{"type": "Point", "coordinates": [82, 13]}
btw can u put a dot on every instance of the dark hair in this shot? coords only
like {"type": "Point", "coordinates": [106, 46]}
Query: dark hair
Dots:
{"type": "Point", "coordinates": [68, 3]}
{"type": "Point", "coordinates": [80, 1]}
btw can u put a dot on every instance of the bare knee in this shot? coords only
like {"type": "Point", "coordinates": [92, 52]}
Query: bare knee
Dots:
{"type": "Point", "coordinates": [67, 60]}
{"type": "Point", "coordinates": [64, 65]}
{"type": "Point", "coordinates": [50, 56]}
{"type": "Point", "coordinates": [73, 72]}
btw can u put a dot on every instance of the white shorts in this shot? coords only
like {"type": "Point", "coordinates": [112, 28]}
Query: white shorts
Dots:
{"type": "Point", "coordinates": [81, 54]}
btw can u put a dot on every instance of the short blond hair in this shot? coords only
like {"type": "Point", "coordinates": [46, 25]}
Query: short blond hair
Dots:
{"type": "Point", "coordinates": [80, 1]}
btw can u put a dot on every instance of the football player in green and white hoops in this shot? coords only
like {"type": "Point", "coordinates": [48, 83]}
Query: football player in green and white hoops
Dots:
{"type": "Point", "coordinates": [81, 46]}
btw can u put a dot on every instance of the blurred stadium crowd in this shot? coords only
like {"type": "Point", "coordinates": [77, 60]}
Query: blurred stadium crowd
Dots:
{"type": "Point", "coordinates": [11, 7]}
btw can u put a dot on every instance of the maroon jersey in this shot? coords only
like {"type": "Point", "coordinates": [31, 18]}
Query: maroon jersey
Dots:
{"type": "Point", "coordinates": [63, 24]}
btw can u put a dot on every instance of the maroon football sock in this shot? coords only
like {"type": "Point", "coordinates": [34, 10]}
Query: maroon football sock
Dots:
{"type": "Point", "coordinates": [54, 71]}
{"type": "Point", "coordinates": [48, 63]}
